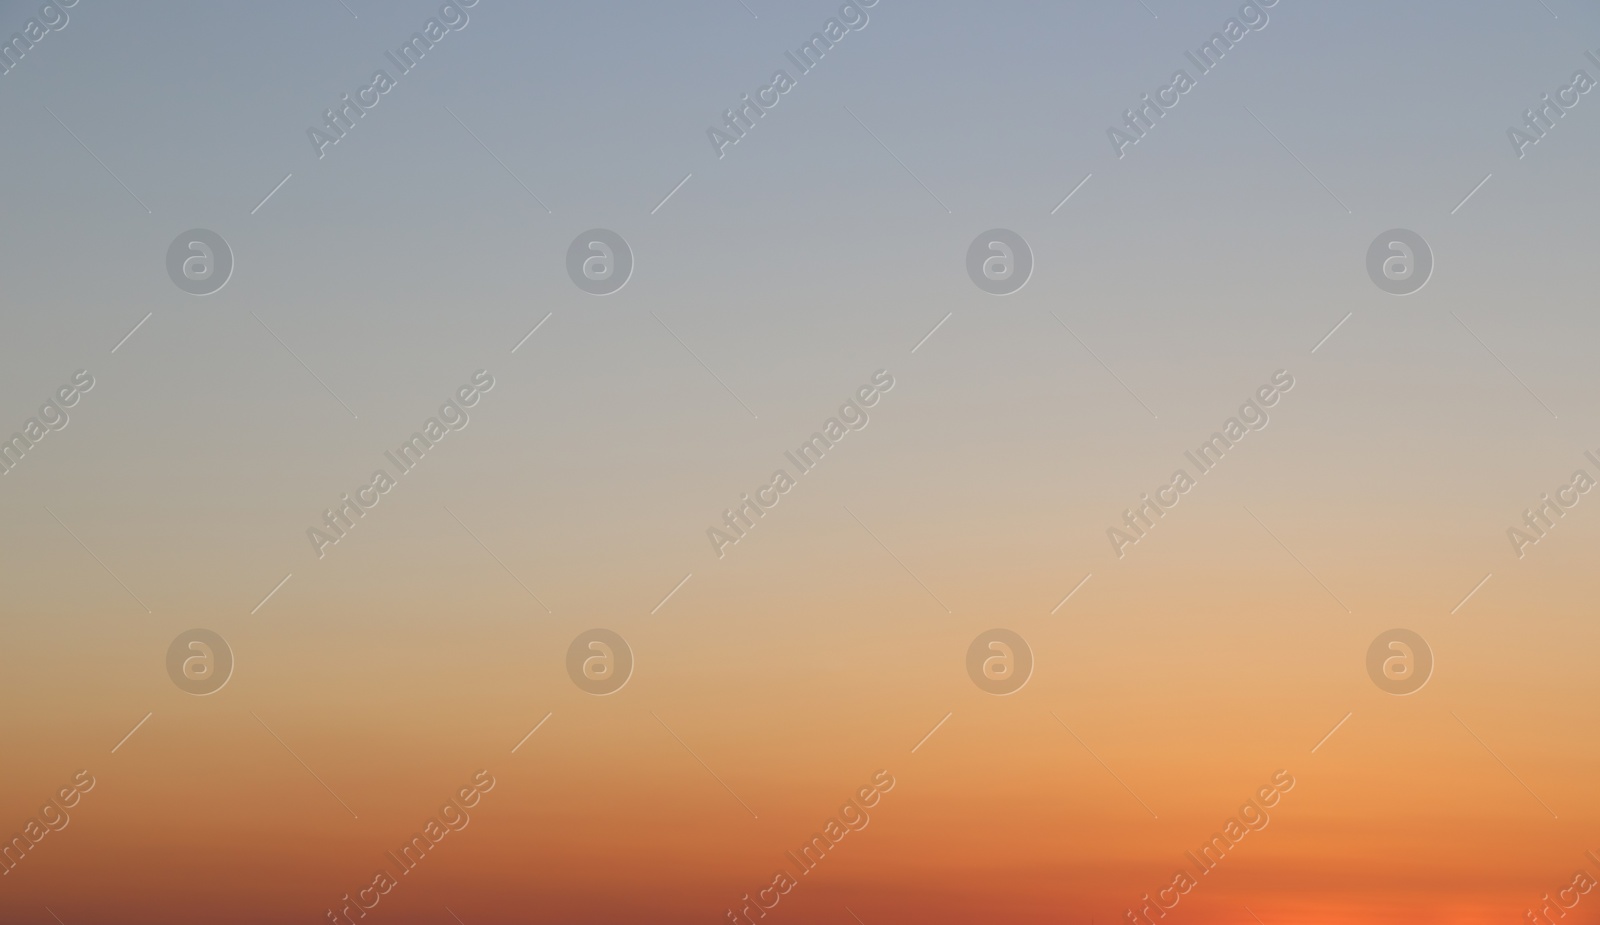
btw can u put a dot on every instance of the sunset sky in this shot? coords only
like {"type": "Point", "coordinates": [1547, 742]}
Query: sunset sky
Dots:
{"type": "Point", "coordinates": [780, 684]}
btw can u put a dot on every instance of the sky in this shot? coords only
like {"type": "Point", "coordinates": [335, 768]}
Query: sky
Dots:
{"type": "Point", "coordinates": [580, 445]}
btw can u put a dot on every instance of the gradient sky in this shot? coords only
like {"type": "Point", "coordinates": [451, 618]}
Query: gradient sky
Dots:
{"type": "Point", "coordinates": [772, 283]}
